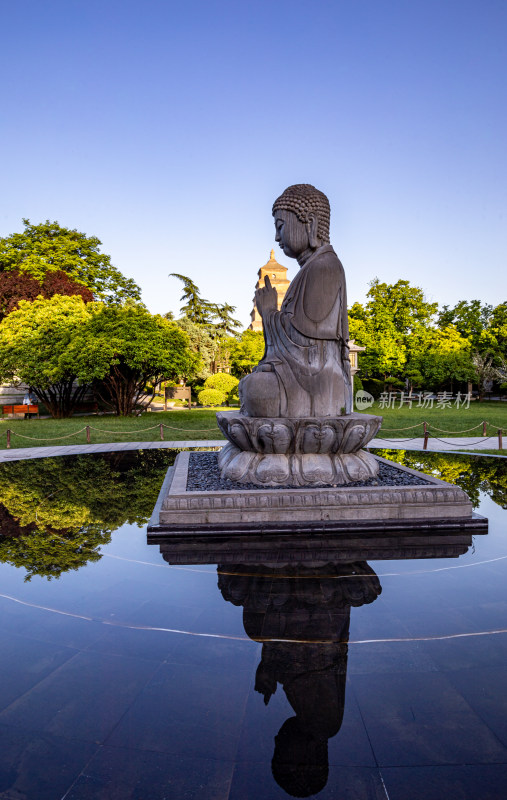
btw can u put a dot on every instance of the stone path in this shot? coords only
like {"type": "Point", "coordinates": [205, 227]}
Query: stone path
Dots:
{"type": "Point", "coordinates": [434, 445]}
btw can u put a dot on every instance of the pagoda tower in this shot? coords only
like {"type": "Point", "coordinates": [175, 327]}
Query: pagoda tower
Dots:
{"type": "Point", "coordinates": [278, 277]}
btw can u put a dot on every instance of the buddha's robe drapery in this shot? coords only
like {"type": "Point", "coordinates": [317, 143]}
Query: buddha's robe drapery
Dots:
{"type": "Point", "coordinates": [307, 341]}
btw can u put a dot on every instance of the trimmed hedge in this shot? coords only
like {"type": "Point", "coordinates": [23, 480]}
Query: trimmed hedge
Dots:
{"type": "Point", "coordinates": [222, 381]}
{"type": "Point", "coordinates": [211, 397]}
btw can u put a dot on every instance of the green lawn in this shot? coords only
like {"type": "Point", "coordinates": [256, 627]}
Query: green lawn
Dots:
{"type": "Point", "coordinates": [195, 424]}
{"type": "Point", "coordinates": [201, 424]}
{"type": "Point", "coordinates": [442, 422]}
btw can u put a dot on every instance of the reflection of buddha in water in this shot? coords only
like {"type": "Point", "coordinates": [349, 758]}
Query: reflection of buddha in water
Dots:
{"type": "Point", "coordinates": [302, 615]}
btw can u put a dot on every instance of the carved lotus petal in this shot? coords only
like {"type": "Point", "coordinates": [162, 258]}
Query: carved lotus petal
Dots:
{"type": "Point", "coordinates": [274, 438]}
{"type": "Point", "coordinates": [226, 455]}
{"type": "Point", "coordinates": [238, 467]}
{"type": "Point", "coordinates": [317, 469]}
{"type": "Point", "coordinates": [239, 436]}
{"type": "Point", "coordinates": [355, 435]}
{"type": "Point", "coordinates": [318, 439]}
{"type": "Point", "coordinates": [273, 469]}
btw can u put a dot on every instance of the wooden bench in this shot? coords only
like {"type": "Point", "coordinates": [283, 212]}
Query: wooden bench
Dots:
{"type": "Point", "coordinates": [20, 410]}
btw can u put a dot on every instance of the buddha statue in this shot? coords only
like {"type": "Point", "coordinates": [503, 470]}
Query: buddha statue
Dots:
{"type": "Point", "coordinates": [305, 370]}
{"type": "Point", "coordinates": [296, 426]}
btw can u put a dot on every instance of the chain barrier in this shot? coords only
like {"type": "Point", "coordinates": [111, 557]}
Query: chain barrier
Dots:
{"type": "Point", "coordinates": [441, 430]}
{"type": "Point", "coordinates": [161, 426]}
{"type": "Point", "coordinates": [391, 430]}
{"type": "Point", "coordinates": [46, 438]}
{"type": "Point", "coordinates": [135, 430]}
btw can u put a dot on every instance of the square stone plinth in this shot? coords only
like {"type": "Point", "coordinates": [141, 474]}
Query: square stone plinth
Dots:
{"type": "Point", "coordinates": [434, 505]}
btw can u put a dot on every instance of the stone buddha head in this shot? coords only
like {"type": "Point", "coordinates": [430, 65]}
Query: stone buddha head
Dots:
{"type": "Point", "coordinates": [301, 217]}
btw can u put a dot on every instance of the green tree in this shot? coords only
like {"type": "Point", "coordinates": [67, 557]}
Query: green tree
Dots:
{"type": "Point", "coordinates": [247, 352]}
{"type": "Point", "coordinates": [60, 346]}
{"type": "Point", "coordinates": [441, 357]}
{"type": "Point", "coordinates": [50, 247]}
{"type": "Point", "coordinates": [486, 371]}
{"type": "Point", "coordinates": [385, 352]}
{"type": "Point", "coordinates": [471, 319]}
{"type": "Point", "coordinates": [497, 330]}
{"type": "Point", "coordinates": [129, 352]}
{"type": "Point", "coordinates": [392, 325]}
{"type": "Point", "coordinates": [195, 308]}
{"type": "Point", "coordinates": [35, 348]}
{"type": "Point", "coordinates": [216, 318]}
{"type": "Point", "coordinates": [226, 325]}
{"type": "Point", "coordinates": [202, 345]}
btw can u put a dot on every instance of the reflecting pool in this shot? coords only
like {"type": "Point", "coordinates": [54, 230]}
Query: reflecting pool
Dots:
{"type": "Point", "coordinates": [372, 666]}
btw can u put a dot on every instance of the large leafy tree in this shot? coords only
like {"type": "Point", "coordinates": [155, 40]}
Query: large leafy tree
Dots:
{"type": "Point", "coordinates": [50, 247]}
{"type": "Point", "coordinates": [440, 357]}
{"type": "Point", "coordinates": [391, 325]}
{"type": "Point", "coordinates": [61, 346]}
{"type": "Point", "coordinates": [498, 330]}
{"type": "Point", "coordinates": [385, 352]}
{"type": "Point", "coordinates": [35, 348]}
{"type": "Point", "coordinates": [129, 352]}
{"type": "Point", "coordinates": [16, 286]}
{"type": "Point", "coordinates": [471, 319]}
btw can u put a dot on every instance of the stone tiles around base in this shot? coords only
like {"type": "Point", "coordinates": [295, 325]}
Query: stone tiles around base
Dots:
{"type": "Point", "coordinates": [436, 504]}
{"type": "Point", "coordinates": [434, 446]}
{"type": "Point", "coordinates": [18, 454]}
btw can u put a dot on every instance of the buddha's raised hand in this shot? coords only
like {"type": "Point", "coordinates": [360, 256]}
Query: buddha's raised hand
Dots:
{"type": "Point", "coordinates": [266, 299]}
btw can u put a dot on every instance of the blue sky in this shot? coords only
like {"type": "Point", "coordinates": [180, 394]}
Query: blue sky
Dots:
{"type": "Point", "coordinates": [167, 130]}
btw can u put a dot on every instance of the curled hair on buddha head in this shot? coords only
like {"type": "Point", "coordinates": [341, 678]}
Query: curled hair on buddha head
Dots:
{"type": "Point", "coordinates": [304, 199]}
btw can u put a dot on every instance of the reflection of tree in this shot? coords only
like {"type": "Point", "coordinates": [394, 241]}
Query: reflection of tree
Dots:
{"type": "Point", "coordinates": [473, 474]}
{"type": "Point", "coordinates": [58, 511]}
{"type": "Point", "coordinates": [301, 614]}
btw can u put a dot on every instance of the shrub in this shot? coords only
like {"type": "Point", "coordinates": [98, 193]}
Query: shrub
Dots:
{"type": "Point", "coordinates": [222, 381]}
{"type": "Point", "coordinates": [211, 397]}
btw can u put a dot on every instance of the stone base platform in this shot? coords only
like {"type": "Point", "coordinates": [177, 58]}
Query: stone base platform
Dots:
{"type": "Point", "coordinates": [435, 505]}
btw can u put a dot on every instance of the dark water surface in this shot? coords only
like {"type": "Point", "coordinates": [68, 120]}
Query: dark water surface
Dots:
{"type": "Point", "coordinates": [126, 674]}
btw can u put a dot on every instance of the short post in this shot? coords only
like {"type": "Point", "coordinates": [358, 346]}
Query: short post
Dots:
{"type": "Point", "coordinates": [88, 434]}
{"type": "Point", "coordinates": [425, 427]}
{"type": "Point", "coordinates": [484, 428]}
{"type": "Point", "coordinates": [8, 438]}
{"type": "Point", "coordinates": [161, 431]}
{"type": "Point", "coordinates": [425, 445]}
{"type": "Point", "coordinates": [500, 440]}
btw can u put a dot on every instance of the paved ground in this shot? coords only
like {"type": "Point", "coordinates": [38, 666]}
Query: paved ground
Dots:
{"type": "Point", "coordinates": [446, 445]}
